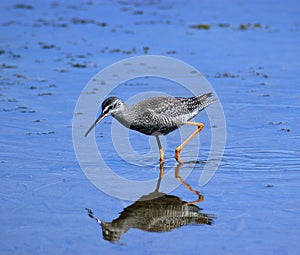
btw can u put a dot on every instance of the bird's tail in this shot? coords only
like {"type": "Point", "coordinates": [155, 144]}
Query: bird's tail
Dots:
{"type": "Point", "coordinates": [205, 100]}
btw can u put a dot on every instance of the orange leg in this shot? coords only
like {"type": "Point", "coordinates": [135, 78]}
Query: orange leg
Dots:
{"type": "Point", "coordinates": [161, 152]}
{"type": "Point", "coordinates": [161, 174]}
{"type": "Point", "coordinates": [188, 186]}
{"type": "Point", "coordinates": [179, 148]}
{"type": "Point", "coordinates": [162, 170]}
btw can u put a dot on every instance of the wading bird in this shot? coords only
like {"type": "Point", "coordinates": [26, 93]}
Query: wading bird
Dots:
{"type": "Point", "coordinates": [157, 116]}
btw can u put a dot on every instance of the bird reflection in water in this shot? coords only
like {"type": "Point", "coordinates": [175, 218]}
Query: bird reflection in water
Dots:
{"type": "Point", "coordinates": [156, 212]}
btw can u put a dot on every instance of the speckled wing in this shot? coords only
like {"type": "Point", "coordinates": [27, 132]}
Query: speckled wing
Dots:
{"type": "Point", "coordinates": [182, 109]}
{"type": "Point", "coordinates": [162, 115]}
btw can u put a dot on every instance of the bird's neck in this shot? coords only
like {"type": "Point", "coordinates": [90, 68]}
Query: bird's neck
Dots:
{"type": "Point", "coordinates": [123, 116]}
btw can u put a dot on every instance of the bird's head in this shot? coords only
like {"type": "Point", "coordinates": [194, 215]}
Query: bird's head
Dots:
{"type": "Point", "coordinates": [110, 106]}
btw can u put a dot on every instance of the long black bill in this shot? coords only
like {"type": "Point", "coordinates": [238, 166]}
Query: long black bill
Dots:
{"type": "Point", "coordinates": [101, 117]}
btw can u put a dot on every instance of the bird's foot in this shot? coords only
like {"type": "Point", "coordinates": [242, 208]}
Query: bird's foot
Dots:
{"type": "Point", "coordinates": [177, 156]}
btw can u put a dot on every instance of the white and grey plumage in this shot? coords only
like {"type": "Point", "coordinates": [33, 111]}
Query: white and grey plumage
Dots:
{"type": "Point", "coordinates": [157, 115]}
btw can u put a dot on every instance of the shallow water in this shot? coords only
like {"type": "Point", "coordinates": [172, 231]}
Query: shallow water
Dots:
{"type": "Point", "coordinates": [249, 52]}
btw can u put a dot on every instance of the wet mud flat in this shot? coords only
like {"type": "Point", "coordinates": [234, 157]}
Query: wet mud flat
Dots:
{"type": "Point", "coordinates": [248, 51]}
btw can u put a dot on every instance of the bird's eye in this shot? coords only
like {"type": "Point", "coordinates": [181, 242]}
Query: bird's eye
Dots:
{"type": "Point", "coordinates": [116, 105]}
